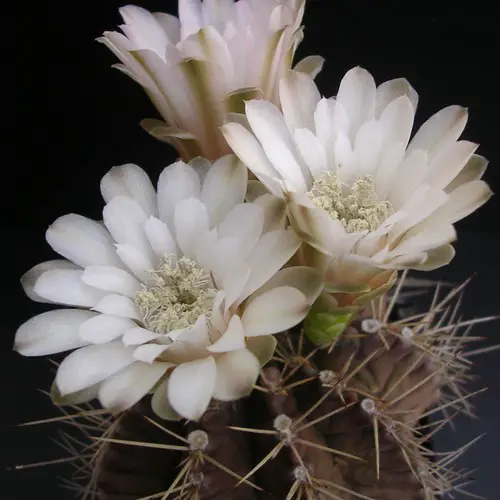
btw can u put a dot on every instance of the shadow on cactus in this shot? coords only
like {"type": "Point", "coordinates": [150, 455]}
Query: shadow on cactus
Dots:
{"type": "Point", "coordinates": [344, 420]}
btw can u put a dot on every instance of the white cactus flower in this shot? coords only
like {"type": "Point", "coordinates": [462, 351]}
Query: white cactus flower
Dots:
{"type": "Point", "coordinates": [200, 67]}
{"type": "Point", "coordinates": [358, 190]}
{"type": "Point", "coordinates": [177, 292]}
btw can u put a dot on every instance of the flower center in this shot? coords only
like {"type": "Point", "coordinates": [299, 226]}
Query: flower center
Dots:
{"type": "Point", "coordinates": [179, 293]}
{"type": "Point", "coordinates": [356, 207]}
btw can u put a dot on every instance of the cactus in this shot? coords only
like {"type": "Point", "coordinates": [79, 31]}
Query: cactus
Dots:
{"type": "Point", "coordinates": [345, 420]}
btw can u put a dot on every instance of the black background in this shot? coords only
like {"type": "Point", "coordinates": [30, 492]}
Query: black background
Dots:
{"type": "Point", "coordinates": [75, 118]}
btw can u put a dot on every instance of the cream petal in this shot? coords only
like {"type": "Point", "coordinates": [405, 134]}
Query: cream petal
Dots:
{"type": "Point", "coordinates": [65, 286]}
{"type": "Point", "coordinates": [191, 221]}
{"type": "Point", "coordinates": [160, 238]}
{"type": "Point", "coordinates": [357, 96]}
{"type": "Point", "coordinates": [224, 187]}
{"type": "Point", "coordinates": [274, 311]}
{"type": "Point", "coordinates": [269, 127]}
{"type": "Point", "coordinates": [397, 121]}
{"type": "Point", "coordinates": [448, 163]}
{"type": "Point", "coordinates": [463, 201]}
{"type": "Point", "coordinates": [111, 279]}
{"type": "Point", "coordinates": [30, 277]}
{"type": "Point", "coordinates": [233, 283]}
{"type": "Point", "coordinates": [76, 398]}
{"type": "Point", "coordinates": [177, 182]}
{"type": "Point", "coordinates": [307, 280]}
{"type": "Point", "coordinates": [237, 372]}
{"type": "Point", "coordinates": [232, 339]}
{"type": "Point", "coordinates": [191, 386]}
{"type": "Point", "coordinates": [51, 332]}
{"type": "Point", "coordinates": [274, 212]}
{"type": "Point", "coordinates": [90, 365]}
{"type": "Point", "coordinates": [117, 305]}
{"type": "Point", "coordinates": [104, 328]}
{"type": "Point", "coordinates": [136, 260]}
{"type": "Point", "coordinates": [262, 347]}
{"type": "Point", "coordinates": [310, 65]}
{"type": "Point", "coordinates": [437, 258]}
{"type": "Point", "coordinates": [148, 353]}
{"type": "Point", "coordinates": [368, 146]}
{"type": "Point", "coordinates": [443, 127]}
{"type": "Point", "coordinates": [127, 387]}
{"type": "Point", "coordinates": [273, 250]}
{"type": "Point", "coordinates": [161, 405]}
{"type": "Point", "coordinates": [252, 154]}
{"type": "Point", "coordinates": [125, 220]}
{"type": "Point", "coordinates": [473, 170]}
{"type": "Point", "coordinates": [131, 181]}
{"type": "Point", "coordinates": [82, 241]}
{"type": "Point", "coordinates": [138, 336]}
{"type": "Point", "coordinates": [299, 97]}
{"type": "Point", "coordinates": [170, 24]}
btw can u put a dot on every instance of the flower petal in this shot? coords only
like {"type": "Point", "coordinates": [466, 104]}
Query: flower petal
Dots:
{"type": "Point", "coordinates": [191, 386]}
{"type": "Point", "coordinates": [232, 339]}
{"type": "Point", "coordinates": [274, 211]}
{"type": "Point", "coordinates": [262, 347]}
{"type": "Point", "coordinates": [191, 221]}
{"type": "Point", "coordinates": [137, 336]}
{"type": "Point", "coordinates": [104, 328]}
{"type": "Point", "coordinates": [30, 277]}
{"type": "Point", "coordinates": [148, 353]}
{"type": "Point", "coordinates": [161, 405]}
{"type": "Point", "coordinates": [136, 260]}
{"type": "Point", "coordinates": [160, 238]}
{"type": "Point", "coordinates": [90, 365]}
{"type": "Point", "coordinates": [111, 279]}
{"type": "Point", "coordinates": [82, 241]}
{"type": "Point", "coordinates": [133, 182]}
{"type": "Point", "coordinates": [237, 372]}
{"type": "Point", "coordinates": [117, 305]}
{"type": "Point", "coordinates": [274, 311]}
{"type": "Point", "coordinates": [128, 386]}
{"type": "Point", "coordinates": [224, 187]}
{"type": "Point", "coordinates": [65, 286]}
{"type": "Point", "coordinates": [51, 332]}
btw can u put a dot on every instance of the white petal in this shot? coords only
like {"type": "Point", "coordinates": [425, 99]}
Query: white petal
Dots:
{"type": "Point", "coordinates": [272, 251]}
{"type": "Point", "coordinates": [312, 151]}
{"type": "Point", "coordinates": [310, 65]}
{"type": "Point", "coordinates": [148, 353]}
{"type": "Point", "coordinates": [232, 339]}
{"type": "Point", "coordinates": [224, 186]}
{"type": "Point", "coordinates": [274, 311]}
{"type": "Point", "coordinates": [391, 90]}
{"type": "Point", "coordinates": [90, 365]}
{"type": "Point", "coordinates": [190, 16]}
{"type": "Point", "coordinates": [160, 238]}
{"type": "Point", "coordinates": [136, 260]}
{"type": "Point", "coordinates": [233, 283]}
{"type": "Point", "coordinates": [299, 97]}
{"type": "Point", "coordinates": [111, 279]}
{"type": "Point", "coordinates": [252, 154]}
{"type": "Point", "coordinates": [30, 277]}
{"type": "Point", "coordinates": [65, 286]}
{"type": "Point", "coordinates": [191, 386]}
{"type": "Point", "coordinates": [368, 145]}
{"type": "Point", "coordinates": [160, 404]}
{"type": "Point", "coordinates": [170, 24]}
{"type": "Point", "coordinates": [133, 182]}
{"type": "Point", "coordinates": [82, 241]}
{"type": "Point", "coordinates": [244, 221]}
{"type": "Point", "coordinates": [444, 127]}
{"type": "Point", "coordinates": [177, 182]}
{"type": "Point", "coordinates": [117, 305]}
{"type": "Point", "coordinates": [125, 220]}
{"type": "Point", "coordinates": [104, 328]}
{"type": "Point", "coordinates": [137, 336]}
{"type": "Point", "coordinates": [237, 372]}
{"type": "Point", "coordinates": [473, 170]}
{"type": "Point", "coordinates": [51, 332]}
{"type": "Point", "coordinates": [357, 96]}
{"type": "Point", "coordinates": [191, 221]}
{"type": "Point", "coordinates": [127, 387]}
{"type": "Point", "coordinates": [397, 121]}
{"type": "Point", "coordinates": [269, 126]}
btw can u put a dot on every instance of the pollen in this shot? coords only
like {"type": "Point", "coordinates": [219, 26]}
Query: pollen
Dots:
{"type": "Point", "coordinates": [357, 207]}
{"type": "Point", "coordinates": [179, 292]}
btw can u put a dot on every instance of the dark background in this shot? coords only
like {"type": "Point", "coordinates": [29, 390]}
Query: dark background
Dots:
{"type": "Point", "coordinates": [76, 118]}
